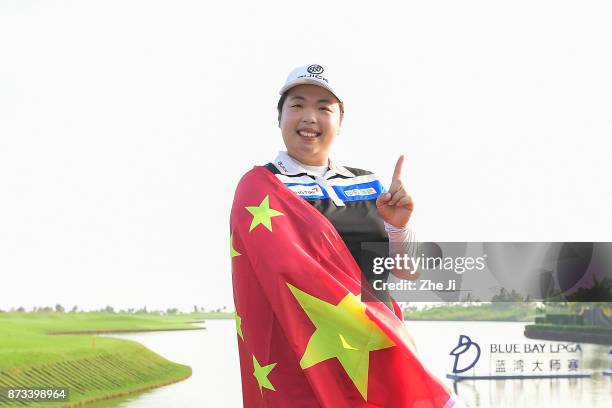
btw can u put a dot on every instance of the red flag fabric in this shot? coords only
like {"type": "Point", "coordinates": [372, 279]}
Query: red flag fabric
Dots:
{"type": "Point", "coordinates": [305, 338]}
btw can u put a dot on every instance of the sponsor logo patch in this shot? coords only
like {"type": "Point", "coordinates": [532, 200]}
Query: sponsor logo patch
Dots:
{"type": "Point", "coordinates": [361, 191]}
{"type": "Point", "coordinates": [311, 190]}
{"type": "Point", "coordinates": [282, 166]}
{"type": "Point", "coordinates": [315, 69]}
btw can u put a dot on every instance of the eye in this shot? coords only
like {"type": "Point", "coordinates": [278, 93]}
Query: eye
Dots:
{"type": "Point", "coordinates": [325, 108]}
{"type": "Point", "coordinates": [297, 105]}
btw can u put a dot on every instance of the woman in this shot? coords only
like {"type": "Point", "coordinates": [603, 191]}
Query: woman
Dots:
{"type": "Point", "coordinates": [310, 115]}
{"type": "Point", "coordinates": [306, 338]}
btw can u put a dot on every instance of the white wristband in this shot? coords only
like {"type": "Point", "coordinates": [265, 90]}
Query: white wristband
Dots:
{"type": "Point", "coordinates": [401, 240]}
{"type": "Point", "coordinates": [397, 234]}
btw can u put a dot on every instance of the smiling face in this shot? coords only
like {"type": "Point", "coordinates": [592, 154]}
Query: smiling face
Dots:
{"type": "Point", "coordinates": [309, 122]}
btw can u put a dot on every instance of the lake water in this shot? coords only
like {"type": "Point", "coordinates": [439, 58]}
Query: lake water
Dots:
{"type": "Point", "coordinates": [213, 355]}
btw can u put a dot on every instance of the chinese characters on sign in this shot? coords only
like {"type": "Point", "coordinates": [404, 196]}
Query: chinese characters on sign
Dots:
{"type": "Point", "coordinates": [555, 365]}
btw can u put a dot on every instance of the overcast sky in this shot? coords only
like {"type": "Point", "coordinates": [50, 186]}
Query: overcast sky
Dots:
{"type": "Point", "coordinates": [126, 125]}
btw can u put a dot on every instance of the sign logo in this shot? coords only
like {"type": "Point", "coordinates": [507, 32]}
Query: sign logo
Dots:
{"type": "Point", "coordinates": [465, 343]}
{"type": "Point", "coordinates": [315, 69]}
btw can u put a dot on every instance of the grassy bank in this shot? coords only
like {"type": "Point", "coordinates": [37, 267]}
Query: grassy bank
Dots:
{"type": "Point", "coordinates": [573, 328]}
{"type": "Point", "coordinates": [508, 312]}
{"type": "Point", "coordinates": [89, 366]}
{"type": "Point", "coordinates": [577, 334]}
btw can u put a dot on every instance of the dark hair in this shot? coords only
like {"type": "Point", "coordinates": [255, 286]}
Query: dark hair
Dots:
{"type": "Point", "coordinates": [281, 102]}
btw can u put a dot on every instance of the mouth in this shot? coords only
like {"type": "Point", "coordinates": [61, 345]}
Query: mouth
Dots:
{"type": "Point", "coordinates": [309, 134]}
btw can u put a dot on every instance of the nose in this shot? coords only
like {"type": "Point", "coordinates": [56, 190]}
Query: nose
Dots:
{"type": "Point", "coordinates": [309, 116]}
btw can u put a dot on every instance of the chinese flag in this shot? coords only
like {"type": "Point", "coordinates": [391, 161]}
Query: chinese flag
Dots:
{"type": "Point", "coordinates": [304, 336]}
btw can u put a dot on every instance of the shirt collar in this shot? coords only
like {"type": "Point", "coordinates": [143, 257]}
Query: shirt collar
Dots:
{"type": "Point", "coordinates": [289, 166]}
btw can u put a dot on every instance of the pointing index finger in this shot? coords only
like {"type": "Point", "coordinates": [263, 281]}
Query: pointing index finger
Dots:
{"type": "Point", "coordinates": [397, 173]}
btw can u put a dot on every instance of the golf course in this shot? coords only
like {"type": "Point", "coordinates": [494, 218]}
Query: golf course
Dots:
{"type": "Point", "coordinates": [64, 350]}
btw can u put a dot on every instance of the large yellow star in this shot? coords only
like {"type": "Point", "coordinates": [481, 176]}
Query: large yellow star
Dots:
{"type": "Point", "coordinates": [343, 331]}
{"type": "Point", "coordinates": [263, 214]}
{"type": "Point", "coordinates": [261, 375]}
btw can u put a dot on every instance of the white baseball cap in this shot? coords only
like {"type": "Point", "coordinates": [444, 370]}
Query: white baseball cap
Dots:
{"type": "Point", "coordinates": [312, 74]}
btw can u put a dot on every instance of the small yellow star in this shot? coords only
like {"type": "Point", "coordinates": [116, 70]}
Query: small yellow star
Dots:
{"type": "Point", "coordinates": [233, 252]}
{"type": "Point", "coordinates": [263, 214]}
{"type": "Point", "coordinates": [261, 375]}
{"type": "Point", "coordinates": [239, 326]}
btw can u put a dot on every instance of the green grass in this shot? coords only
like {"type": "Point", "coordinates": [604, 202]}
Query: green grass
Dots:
{"type": "Point", "coordinates": [95, 322]}
{"type": "Point", "coordinates": [91, 367]}
{"type": "Point", "coordinates": [509, 312]}
{"type": "Point", "coordinates": [215, 315]}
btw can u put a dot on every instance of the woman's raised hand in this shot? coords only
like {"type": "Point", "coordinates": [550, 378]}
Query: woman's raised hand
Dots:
{"type": "Point", "coordinates": [396, 205]}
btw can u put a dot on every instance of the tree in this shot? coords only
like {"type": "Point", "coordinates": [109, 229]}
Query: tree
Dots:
{"type": "Point", "coordinates": [59, 308]}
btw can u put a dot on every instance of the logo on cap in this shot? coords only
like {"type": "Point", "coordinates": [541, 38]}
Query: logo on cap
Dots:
{"type": "Point", "coordinates": [315, 69]}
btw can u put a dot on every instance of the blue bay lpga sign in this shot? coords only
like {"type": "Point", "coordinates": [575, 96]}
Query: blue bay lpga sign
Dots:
{"type": "Point", "coordinates": [515, 360]}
